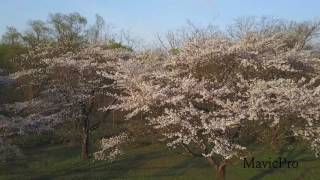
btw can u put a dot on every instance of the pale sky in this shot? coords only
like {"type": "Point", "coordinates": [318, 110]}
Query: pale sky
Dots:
{"type": "Point", "coordinates": [146, 18]}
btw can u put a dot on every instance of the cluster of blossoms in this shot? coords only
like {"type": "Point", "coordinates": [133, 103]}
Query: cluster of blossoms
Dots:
{"type": "Point", "coordinates": [111, 147]}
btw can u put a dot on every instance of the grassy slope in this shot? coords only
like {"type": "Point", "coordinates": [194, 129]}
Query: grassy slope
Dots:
{"type": "Point", "coordinates": [151, 162]}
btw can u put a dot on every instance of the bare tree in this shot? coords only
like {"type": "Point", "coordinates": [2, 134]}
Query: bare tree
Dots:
{"type": "Point", "coordinates": [96, 32]}
{"type": "Point", "coordinates": [173, 40]}
{"type": "Point", "coordinates": [300, 33]}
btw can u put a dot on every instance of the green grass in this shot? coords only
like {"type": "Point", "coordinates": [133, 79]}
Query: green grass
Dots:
{"type": "Point", "coordinates": [152, 162]}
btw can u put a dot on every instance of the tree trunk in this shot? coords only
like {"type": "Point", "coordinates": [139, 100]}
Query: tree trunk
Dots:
{"type": "Point", "coordinates": [85, 140]}
{"type": "Point", "coordinates": [222, 172]}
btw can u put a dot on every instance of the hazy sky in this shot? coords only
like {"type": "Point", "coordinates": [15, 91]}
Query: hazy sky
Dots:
{"type": "Point", "coordinates": [145, 18]}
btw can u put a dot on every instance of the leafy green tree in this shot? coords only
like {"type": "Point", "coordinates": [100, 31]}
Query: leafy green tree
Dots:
{"type": "Point", "coordinates": [39, 32]}
{"type": "Point", "coordinates": [12, 36]}
{"type": "Point", "coordinates": [68, 29]}
{"type": "Point", "coordinates": [7, 55]}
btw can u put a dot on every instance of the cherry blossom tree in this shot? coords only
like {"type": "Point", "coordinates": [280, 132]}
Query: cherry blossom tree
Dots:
{"type": "Point", "coordinates": [68, 85]}
{"type": "Point", "coordinates": [200, 99]}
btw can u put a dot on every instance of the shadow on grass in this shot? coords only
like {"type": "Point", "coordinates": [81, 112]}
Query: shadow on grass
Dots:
{"type": "Point", "coordinates": [152, 162]}
{"type": "Point", "coordinates": [183, 167]}
{"type": "Point", "coordinates": [292, 154]}
{"type": "Point", "coordinates": [98, 169]}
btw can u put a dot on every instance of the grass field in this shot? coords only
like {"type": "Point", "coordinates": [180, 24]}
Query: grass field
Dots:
{"type": "Point", "coordinates": [151, 162]}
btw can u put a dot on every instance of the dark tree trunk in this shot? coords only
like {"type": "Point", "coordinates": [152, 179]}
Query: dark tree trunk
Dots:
{"type": "Point", "coordinates": [221, 172]}
{"type": "Point", "coordinates": [220, 167]}
{"type": "Point", "coordinates": [85, 139]}
{"type": "Point", "coordinates": [87, 109]}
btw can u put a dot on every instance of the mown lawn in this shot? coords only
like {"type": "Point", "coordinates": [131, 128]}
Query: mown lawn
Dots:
{"type": "Point", "coordinates": [153, 162]}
